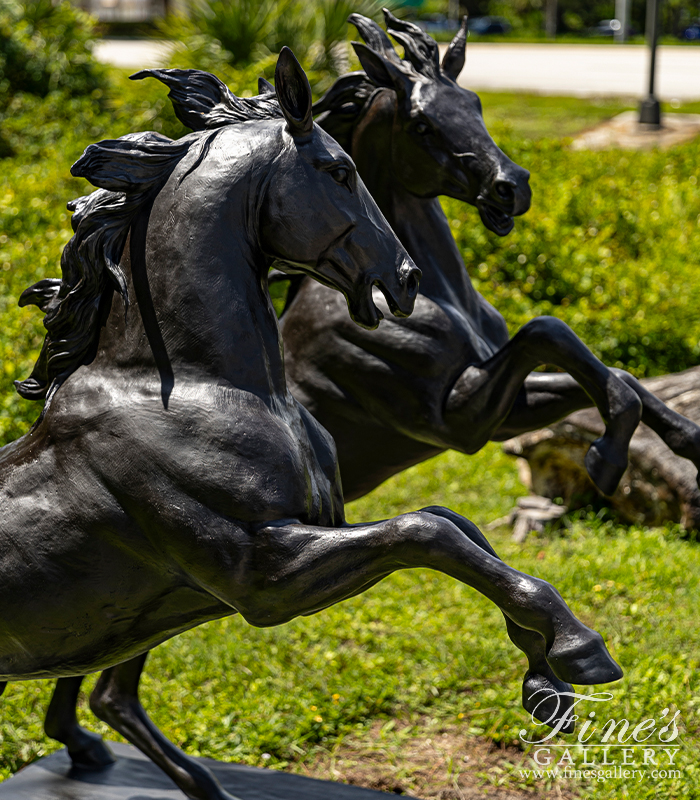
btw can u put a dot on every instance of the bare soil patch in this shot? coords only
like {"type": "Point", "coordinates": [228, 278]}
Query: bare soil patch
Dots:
{"type": "Point", "coordinates": [446, 763]}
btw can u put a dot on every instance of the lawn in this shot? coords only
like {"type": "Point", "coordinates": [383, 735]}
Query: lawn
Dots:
{"type": "Point", "coordinates": [352, 692]}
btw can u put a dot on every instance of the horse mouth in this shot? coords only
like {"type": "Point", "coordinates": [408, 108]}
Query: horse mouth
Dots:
{"type": "Point", "coordinates": [362, 309]}
{"type": "Point", "coordinates": [495, 220]}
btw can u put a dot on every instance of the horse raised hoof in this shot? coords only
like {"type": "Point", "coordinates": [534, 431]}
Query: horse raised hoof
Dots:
{"type": "Point", "coordinates": [548, 700]}
{"type": "Point", "coordinates": [583, 659]}
{"type": "Point", "coordinates": [604, 467]}
{"type": "Point", "coordinates": [89, 752]}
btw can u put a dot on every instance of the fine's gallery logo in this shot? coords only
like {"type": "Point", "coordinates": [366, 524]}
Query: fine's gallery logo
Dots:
{"type": "Point", "coordinates": [605, 747]}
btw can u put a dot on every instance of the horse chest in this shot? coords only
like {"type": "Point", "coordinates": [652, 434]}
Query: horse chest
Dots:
{"type": "Point", "coordinates": [244, 458]}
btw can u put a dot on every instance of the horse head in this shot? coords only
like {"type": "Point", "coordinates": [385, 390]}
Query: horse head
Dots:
{"type": "Point", "coordinates": [316, 216]}
{"type": "Point", "coordinates": [319, 218]}
{"type": "Point", "coordinates": [439, 143]}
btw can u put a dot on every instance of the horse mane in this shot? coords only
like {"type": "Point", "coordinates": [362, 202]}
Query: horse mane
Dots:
{"type": "Point", "coordinates": [128, 171]}
{"type": "Point", "coordinates": [342, 105]}
{"type": "Point", "coordinates": [202, 102]}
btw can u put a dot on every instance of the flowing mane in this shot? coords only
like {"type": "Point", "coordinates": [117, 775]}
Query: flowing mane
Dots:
{"type": "Point", "coordinates": [129, 172]}
{"type": "Point", "coordinates": [342, 105]}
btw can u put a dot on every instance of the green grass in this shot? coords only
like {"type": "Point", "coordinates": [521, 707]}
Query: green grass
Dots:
{"type": "Point", "coordinates": [421, 646]}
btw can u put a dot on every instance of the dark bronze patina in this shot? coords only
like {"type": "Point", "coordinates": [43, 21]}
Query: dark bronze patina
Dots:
{"type": "Point", "coordinates": [449, 376]}
{"type": "Point", "coordinates": [172, 478]}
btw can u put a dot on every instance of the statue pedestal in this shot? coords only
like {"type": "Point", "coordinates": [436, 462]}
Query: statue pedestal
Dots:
{"type": "Point", "coordinates": [134, 777]}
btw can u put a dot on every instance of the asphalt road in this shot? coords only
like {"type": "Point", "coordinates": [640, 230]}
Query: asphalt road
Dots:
{"type": "Point", "coordinates": [583, 70]}
{"type": "Point", "coordinates": [580, 70]}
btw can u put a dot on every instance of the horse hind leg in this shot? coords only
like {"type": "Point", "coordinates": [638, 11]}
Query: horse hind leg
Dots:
{"type": "Point", "coordinates": [86, 749]}
{"type": "Point", "coordinates": [3, 686]}
{"type": "Point", "coordinates": [115, 701]}
{"type": "Point", "coordinates": [681, 434]}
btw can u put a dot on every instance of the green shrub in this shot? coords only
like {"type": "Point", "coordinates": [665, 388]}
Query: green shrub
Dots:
{"type": "Point", "coordinates": [219, 34]}
{"type": "Point", "coordinates": [45, 47]}
{"type": "Point", "coordinates": [611, 245]}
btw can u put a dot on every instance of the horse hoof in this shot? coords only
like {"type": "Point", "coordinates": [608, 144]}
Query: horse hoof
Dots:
{"type": "Point", "coordinates": [548, 701]}
{"type": "Point", "coordinates": [90, 752]}
{"type": "Point", "coordinates": [583, 659]}
{"type": "Point", "coordinates": [604, 471]}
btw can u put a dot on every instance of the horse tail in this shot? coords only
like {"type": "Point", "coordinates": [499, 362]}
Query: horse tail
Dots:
{"type": "Point", "coordinates": [295, 281]}
{"type": "Point", "coordinates": [3, 686]}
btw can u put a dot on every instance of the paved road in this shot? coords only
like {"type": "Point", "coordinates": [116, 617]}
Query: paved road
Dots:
{"type": "Point", "coordinates": [132, 53]}
{"type": "Point", "coordinates": [583, 69]}
{"type": "Point", "coordinates": [580, 69]}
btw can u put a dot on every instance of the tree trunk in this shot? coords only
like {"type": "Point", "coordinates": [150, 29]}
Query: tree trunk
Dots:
{"type": "Point", "coordinates": [657, 487]}
{"type": "Point", "coordinates": [550, 22]}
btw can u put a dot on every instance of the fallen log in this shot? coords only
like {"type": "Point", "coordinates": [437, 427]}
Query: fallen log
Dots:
{"type": "Point", "coordinates": [657, 487]}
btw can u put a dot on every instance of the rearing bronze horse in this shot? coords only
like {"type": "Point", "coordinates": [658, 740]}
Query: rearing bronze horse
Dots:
{"type": "Point", "coordinates": [448, 377]}
{"type": "Point", "coordinates": [172, 478]}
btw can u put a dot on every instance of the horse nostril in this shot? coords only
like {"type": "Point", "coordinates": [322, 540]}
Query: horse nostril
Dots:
{"type": "Point", "coordinates": [412, 282]}
{"type": "Point", "coordinates": [505, 191]}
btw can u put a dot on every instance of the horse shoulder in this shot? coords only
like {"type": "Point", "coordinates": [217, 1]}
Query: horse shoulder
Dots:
{"type": "Point", "coordinates": [213, 448]}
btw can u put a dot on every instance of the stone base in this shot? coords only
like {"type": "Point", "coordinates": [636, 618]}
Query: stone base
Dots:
{"type": "Point", "coordinates": [134, 777]}
{"type": "Point", "coordinates": [625, 131]}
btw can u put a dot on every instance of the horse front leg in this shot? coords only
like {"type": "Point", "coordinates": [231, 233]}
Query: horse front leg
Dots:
{"type": "Point", "coordinates": [544, 695]}
{"type": "Point", "coordinates": [115, 701]}
{"type": "Point", "coordinates": [86, 749]}
{"type": "Point", "coordinates": [483, 396]}
{"type": "Point", "coordinates": [296, 569]}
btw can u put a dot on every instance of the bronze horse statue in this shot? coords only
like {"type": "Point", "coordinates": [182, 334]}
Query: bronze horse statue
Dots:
{"type": "Point", "coordinates": [172, 478]}
{"type": "Point", "coordinates": [449, 376]}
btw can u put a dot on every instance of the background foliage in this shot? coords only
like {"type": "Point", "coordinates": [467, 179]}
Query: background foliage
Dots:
{"type": "Point", "coordinates": [46, 47]}
{"type": "Point", "coordinates": [238, 33]}
{"type": "Point", "coordinates": [580, 15]}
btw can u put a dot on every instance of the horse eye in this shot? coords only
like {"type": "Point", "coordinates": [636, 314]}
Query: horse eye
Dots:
{"type": "Point", "coordinates": [341, 174]}
{"type": "Point", "coordinates": [422, 128]}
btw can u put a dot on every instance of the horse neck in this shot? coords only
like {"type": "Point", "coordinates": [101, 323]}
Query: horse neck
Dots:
{"type": "Point", "coordinates": [200, 307]}
{"type": "Point", "coordinates": [419, 223]}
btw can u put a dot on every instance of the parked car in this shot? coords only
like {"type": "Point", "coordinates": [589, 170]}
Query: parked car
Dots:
{"type": "Point", "coordinates": [606, 27]}
{"type": "Point", "coordinates": [437, 23]}
{"type": "Point", "coordinates": [692, 32]}
{"type": "Point", "coordinates": [487, 26]}
{"type": "Point", "coordinates": [609, 27]}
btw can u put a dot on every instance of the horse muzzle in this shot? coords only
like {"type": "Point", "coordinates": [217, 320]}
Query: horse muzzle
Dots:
{"type": "Point", "coordinates": [400, 296]}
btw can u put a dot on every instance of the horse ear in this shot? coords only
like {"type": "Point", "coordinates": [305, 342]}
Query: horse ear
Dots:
{"type": "Point", "coordinates": [265, 87]}
{"type": "Point", "coordinates": [382, 71]}
{"type": "Point", "coordinates": [374, 37]}
{"type": "Point", "coordinates": [293, 94]}
{"type": "Point", "coordinates": [455, 56]}
{"type": "Point", "coordinates": [420, 49]}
